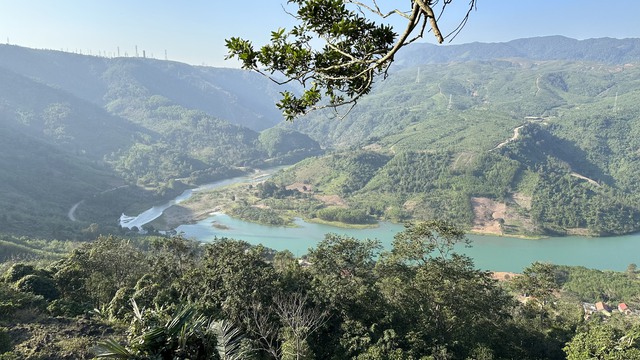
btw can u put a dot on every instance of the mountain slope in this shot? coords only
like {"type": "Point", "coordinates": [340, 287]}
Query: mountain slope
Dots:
{"type": "Point", "coordinates": [550, 142]}
{"type": "Point", "coordinates": [516, 145]}
{"type": "Point", "coordinates": [57, 117]}
{"type": "Point", "coordinates": [603, 50]}
{"type": "Point", "coordinates": [237, 96]}
{"type": "Point", "coordinates": [102, 135]}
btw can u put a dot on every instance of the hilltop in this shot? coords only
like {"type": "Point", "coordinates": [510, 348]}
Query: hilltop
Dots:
{"type": "Point", "coordinates": [120, 134]}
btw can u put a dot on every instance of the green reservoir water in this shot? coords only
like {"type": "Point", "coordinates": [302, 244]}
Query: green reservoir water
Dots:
{"type": "Point", "coordinates": [489, 252]}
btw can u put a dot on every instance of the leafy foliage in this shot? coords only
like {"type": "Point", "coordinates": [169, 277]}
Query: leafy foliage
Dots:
{"type": "Point", "coordinates": [356, 50]}
{"type": "Point", "coordinates": [595, 285]}
{"type": "Point", "coordinates": [604, 342]}
{"type": "Point", "coordinates": [154, 335]}
{"type": "Point", "coordinates": [177, 298]}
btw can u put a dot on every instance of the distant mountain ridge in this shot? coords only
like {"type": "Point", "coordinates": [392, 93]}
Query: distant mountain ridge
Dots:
{"type": "Point", "coordinates": [240, 97]}
{"type": "Point", "coordinates": [605, 50]}
{"type": "Point", "coordinates": [78, 126]}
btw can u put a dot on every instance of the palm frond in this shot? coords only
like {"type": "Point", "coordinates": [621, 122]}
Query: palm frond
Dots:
{"type": "Point", "coordinates": [175, 325]}
{"type": "Point", "coordinates": [110, 349]}
{"type": "Point", "coordinates": [229, 340]}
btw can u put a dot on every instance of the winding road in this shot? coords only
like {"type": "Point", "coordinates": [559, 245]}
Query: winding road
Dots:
{"type": "Point", "coordinates": [516, 135]}
{"type": "Point", "coordinates": [72, 212]}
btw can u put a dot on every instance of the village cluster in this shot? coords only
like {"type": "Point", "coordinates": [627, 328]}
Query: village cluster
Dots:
{"type": "Point", "coordinates": [607, 310]}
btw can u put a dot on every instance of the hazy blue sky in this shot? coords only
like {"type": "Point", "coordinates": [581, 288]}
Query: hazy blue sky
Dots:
{"type": "Point", "coordinates": [193, 31]}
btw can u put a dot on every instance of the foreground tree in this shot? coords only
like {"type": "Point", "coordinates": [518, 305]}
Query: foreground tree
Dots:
{"type": "Point", "coordinates": [449, 308]}
{"type": "Point", "coordinates": [538, 282]}
{"type": "Point", "coordinates": [356, 48]}
{"type": "Point", "coordinates": [605, 342]}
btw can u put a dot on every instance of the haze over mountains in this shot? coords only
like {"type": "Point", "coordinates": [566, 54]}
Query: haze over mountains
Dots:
{"type": "Point", "coordinates": [75, 127]}
{"type": "Point", "coordinates": [605, 50]}
{"type": "Point", "coordinates": [122, 121]}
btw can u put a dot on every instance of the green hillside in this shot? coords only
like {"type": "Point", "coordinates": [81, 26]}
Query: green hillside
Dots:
{"type": "Point", "coordinates": [240, 97]}
{"type": "Point", "coordinates": [524, 139]}
{"type": "Point", "coordinates": [118, 135]}
{"type": "Point", "coordinates": [516, 146]}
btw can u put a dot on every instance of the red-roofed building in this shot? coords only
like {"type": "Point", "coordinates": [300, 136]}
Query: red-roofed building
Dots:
{"type": "Point", "coordinates": [623, 308]}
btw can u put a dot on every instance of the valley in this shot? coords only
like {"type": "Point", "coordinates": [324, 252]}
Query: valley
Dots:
{"type": "Point", "coordinates": [515, 146]}
{"type": "Point", "coordinates": [145, 201]}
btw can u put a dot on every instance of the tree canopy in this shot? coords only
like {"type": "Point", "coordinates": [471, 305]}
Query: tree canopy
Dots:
{"type": "Point", "coordinates": [338, 48]}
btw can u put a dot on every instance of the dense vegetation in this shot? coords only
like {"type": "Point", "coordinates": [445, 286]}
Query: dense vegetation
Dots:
{"type": "Point", "coordinates": [553, 141]}
{"type": "Point", "coordinates": [431, 142]}
{"type": "Point", "coordinates": [259, 215]}
{"type": "Point", "coordinates": [169, 297]}
{"type": "Point", "coordinates": [117, 135]}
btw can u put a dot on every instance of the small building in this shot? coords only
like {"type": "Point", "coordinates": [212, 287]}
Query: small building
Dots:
{"type": "Point", "coordinates": [623, 308]}
{"type": "Point", "coordinates": [600, 306]}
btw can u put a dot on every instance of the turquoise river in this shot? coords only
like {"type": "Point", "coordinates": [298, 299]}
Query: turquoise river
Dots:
{"type": "Point", "coordinates": [489, 252]}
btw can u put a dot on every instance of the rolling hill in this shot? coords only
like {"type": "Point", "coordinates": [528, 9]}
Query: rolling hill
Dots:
{"type": "Point", "coordinates": [505, 137]}
{"type": "Point", "coordinates": [122, 133]}
{"type": "Point", "coordinates": [532, 136]}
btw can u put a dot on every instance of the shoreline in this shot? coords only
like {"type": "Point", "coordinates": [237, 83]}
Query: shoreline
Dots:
{"type": "Point", "coordinates": [177, 215]}
{"type": "Point", "coordinates": [514, 236]}
{"type": "Point", "coordinates": [341, 225]}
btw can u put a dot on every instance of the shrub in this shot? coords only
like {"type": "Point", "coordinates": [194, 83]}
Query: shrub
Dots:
{"type": "Point", "coordinates": [39, 285]}
{"type": "Point", "coordinates": [17, 272]}
{"type": "Point", "coordinates": [5, 340]}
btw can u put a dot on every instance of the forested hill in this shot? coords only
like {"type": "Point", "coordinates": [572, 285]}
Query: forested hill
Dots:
{"type": "Point", "coordinates": [605, 50]}
{"type": "Point", "coordinates": [76, 127]}
{"type": "Point", "coordinates": [514, 144]}
{"type": "Point", "coordinates": [240, 97]}
{"type": "Point", "coordinates": [545, 128]}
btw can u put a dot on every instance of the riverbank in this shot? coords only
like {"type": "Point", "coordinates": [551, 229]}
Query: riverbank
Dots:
{"type": "Point", "coordinates": [195, 211]}
{"type": "Point", "coordinates": [512, 236]}
{"type": "Point", "coordinates": [491, 218]}
{"type": "Point", "coordinates": [342, 225]}
{"type": "Point", "coordinates": [200, 205]}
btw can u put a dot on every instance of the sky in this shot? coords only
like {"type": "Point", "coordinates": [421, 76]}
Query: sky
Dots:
{"type": "Point", "coordinates": [194, 31]}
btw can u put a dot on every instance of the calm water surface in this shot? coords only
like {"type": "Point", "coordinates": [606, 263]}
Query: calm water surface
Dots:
{"type": "Point", "coordinates": [488, 252]}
